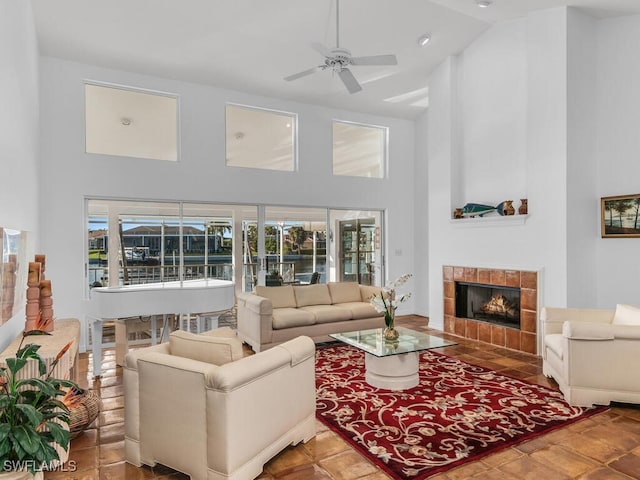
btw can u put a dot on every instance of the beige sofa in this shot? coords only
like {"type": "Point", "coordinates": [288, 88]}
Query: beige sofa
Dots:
{"type": "Point", "coordinates": [197, 405]}
{"type": "Point", "coordinates": [273, 315]}
{"type": "Point", "coordinates": [593, 354]}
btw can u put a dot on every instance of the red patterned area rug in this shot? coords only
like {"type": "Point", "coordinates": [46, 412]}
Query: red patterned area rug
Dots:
{"type": "Point", "coordinates": [458, 413]}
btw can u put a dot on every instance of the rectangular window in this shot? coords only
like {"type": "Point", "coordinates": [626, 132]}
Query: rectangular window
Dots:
{"type": "Point", "coordinates": [359, 150]}
{"type": "Point", "coordinates": [257, 138]}
{"type": "Point", "coordinates": [129, 123]}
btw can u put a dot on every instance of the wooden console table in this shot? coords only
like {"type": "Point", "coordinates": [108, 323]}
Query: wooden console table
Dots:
{"type": "Point", "coordinates": [64, 330]}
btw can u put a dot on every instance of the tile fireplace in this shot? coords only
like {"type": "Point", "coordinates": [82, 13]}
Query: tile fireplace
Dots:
{"type": "Point", "coordinates": [497, 306]}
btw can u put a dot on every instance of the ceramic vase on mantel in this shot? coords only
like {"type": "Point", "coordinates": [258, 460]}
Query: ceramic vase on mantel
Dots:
{"type": "Point", "coordinates": [508, 208]}
{"type": "Point", "coordinates": [523, 209]}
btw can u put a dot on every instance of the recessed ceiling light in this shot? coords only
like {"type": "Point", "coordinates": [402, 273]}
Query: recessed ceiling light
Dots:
{"type": "Point", "coordinates": [126, 121]}
{"type": "Point", "coordinates": [484, 3]}
{"type": "Point", "coordinates": [424, 39]}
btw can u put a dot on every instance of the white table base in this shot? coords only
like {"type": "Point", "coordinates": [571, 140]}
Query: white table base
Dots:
{"type": "Point", "coordinates": [393, 372]}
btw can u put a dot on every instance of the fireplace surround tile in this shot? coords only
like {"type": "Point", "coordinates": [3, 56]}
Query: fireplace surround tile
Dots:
{"type": "Point", "coordinates": [484, 275]}
{"type": "Point", "coordinates": [528, 342]}
{"type": "Point", "coordinates": [529, 280]}
{"type": "Point", "coordinates": [523, 339]}
{"type": "Point", "coordinates": [528, 299]}
{"type": "Point", "coordinates": [449, 307]}
{"type": "Point", "coordinates": [512, 339]}
{"type": "Point", "coordinates": [460, 326]}
{"type": "Point", "coordinates": [512, 278]}
{"type": "Point", "coordinates": [449, 289]}
{"type": "Point", "coordinates": [528, 321]}
{"type": "Point", "coordinates": [449, 324]}
{"type": "Point", "coordinates": [470, 275]}
{"type": "Point", "coordinates": [471, 329]}
{"type": "Point", "coordinates": [498, 335]}
{"type": "Point", "coordinates": [458, 273]}
{"type": "Point", "coordinates": [484, 332]}
{"type": "Point", "coordinates": [497, 277]}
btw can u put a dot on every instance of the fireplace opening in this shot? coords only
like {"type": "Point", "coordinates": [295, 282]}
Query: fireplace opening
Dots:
{"type": "Point", "coordinates": [488, 303]}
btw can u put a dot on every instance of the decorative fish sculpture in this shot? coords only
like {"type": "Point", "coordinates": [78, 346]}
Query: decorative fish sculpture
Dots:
{"type": "Point", "coordinates": [480, 210]}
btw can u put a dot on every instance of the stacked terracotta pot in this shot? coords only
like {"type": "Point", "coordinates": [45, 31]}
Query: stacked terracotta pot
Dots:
{"type": "Point", "coordinates": [8, 286]}
{"type": "Point", "coordinates": [39, 310]}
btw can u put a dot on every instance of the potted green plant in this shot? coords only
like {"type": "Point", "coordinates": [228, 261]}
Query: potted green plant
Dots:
{"type": "Point", "coordinates": [32, 416]}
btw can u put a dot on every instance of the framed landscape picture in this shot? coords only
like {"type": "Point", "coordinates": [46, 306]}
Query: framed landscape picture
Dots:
{"type": "Point", "coordinates": [620, 216]}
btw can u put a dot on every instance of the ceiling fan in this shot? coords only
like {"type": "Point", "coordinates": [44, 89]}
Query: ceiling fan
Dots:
{"type": "Point", "coordinates": [339, 59]}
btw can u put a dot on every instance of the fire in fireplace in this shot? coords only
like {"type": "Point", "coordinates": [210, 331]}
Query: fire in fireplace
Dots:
{"type": "Point", "coordinates": [489, 303]}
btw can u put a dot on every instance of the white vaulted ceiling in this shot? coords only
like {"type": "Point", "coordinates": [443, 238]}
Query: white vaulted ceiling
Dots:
{"type": "Point", "coordinates": [251, 45]}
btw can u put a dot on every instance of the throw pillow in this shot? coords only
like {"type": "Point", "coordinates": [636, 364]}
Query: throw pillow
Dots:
{"type": "Point", "coordinates": [205, 348]}
{"type": "Point", "coordinates": [344, 292]}
{"type": "Point", "coordinates": [626, 315]}
{"type": "Point", "coordinates": [281, 297]}
{"type": "Point", "coordinates": [312, 295]}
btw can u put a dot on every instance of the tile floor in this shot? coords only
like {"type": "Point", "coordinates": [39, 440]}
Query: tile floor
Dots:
{"type": "Point", "coordinates": [603, 447]}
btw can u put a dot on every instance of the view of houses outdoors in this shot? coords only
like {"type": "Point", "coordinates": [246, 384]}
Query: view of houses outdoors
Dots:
{"type": "Point", "coordinates": [148, 242]}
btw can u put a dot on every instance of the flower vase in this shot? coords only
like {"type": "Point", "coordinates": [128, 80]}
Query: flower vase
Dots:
{"type": "Point", "coordinates": [390, 333]}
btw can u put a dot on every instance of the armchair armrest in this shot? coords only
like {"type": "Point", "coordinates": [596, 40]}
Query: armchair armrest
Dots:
{"type": "Point", "coordinates": [554, 317]}
{"type": "Point", "coordinates": [239, 373]}
{"type": "Point", "coordinates": [574, 330]}
{"type": "Point", "coordinates": [131, 359]}
{"type": "Point", "coordinates": [600, 331]}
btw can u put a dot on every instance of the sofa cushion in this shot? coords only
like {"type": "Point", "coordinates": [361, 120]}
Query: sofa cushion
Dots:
{"type": "Point", "coordinates": [343, 292]}
{"type": "Point", "coordinates": [216, 350]}
{"type": "Point", "coordinates": [368, 291]}
{"type": "Point", "coordinates": [361, 310]}
{"type": "Point", "coordinates": [312, 295]}
{"type": "Point", "coordinates": [327, 313]}
{"type": "Point", "coordinates": [626, 315]}
{"type": "Point", "coordinates": [554, 343]}
{"type": "Point", "coordinates": [281, 297]}
{"type": "Point", "coordinates": [291, 317]}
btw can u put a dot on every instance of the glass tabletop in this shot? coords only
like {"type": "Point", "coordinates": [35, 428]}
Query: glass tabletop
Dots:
{"type": "Point", "coordinates": [373, 342]}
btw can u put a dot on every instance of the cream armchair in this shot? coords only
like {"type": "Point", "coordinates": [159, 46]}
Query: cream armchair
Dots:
{"type": "Point", "coordinates": [217, 421]}
{"type": "Point", "coordinates": [593, 354]}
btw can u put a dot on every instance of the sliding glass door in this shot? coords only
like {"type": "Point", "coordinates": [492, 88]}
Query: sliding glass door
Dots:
{"type": "Point", "coordinates": [134, 242]}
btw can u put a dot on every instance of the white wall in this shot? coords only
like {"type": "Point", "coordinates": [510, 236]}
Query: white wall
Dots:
{"type": "Point", "coordinates": [583, 224]}
{"type": "Point", "coordinates": [492, 103]}
{"type": "Point", "coordinates": [69, 175]}
{"type": "Point", "coordinates": [534, 121]}
{"type": "Point", "coordinates": [18, 130]}
{"type": "Point", "coordinates": [420, 286]}
{"type": "Point", "coordinates": [618, 152]}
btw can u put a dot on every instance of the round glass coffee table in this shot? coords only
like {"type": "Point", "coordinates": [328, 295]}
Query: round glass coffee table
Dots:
{"type": "Point", "coordinates": [391, 365]}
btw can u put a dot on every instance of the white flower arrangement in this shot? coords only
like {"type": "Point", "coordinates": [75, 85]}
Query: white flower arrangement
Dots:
{"type": "Point", "coordinates": [388, 302]}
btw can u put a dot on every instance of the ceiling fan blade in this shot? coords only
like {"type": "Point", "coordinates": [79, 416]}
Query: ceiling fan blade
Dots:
{"type": "Point", "coordinates": [375, 60]}
{"type": "Point", "coordinates": [349, 80]}
{"type": "Point", "coordinates": [321, 49]}
{"type": "Point", "coordinates": [295, 76]}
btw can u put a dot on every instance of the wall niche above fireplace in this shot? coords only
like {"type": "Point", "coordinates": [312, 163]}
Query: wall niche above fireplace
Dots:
{"type": "Point", "coordinates": [517, 333]}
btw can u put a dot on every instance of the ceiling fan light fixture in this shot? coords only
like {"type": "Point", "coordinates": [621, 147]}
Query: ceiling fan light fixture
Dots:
{"type": "Point", "coordinates": [423, 40]}
{"type": "Point", "coordinates": [484, 3]}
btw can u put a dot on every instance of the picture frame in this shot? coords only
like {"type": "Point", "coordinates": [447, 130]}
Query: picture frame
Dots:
{"type": "Point", "coordinates": [620, 216]}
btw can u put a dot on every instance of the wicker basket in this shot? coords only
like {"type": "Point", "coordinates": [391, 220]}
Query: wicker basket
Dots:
{"type": "Point", "coordinates": [83, 413]}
